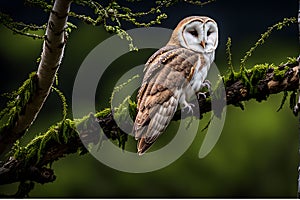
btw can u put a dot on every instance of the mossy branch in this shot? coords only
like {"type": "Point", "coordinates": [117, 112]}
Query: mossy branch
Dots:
{"type": "Point", "coordinates": [31, 162]}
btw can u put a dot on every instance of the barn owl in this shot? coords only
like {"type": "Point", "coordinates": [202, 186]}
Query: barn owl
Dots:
{"type": "Point", "coordinates": [172, 75]}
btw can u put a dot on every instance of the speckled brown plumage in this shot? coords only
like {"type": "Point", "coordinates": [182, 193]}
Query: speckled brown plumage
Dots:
{"type": "Point", "coordinates": [168, 72]}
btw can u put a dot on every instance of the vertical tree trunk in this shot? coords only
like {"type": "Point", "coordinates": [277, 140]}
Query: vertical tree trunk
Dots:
{"type": "Point", "coordinates": [52, 53]}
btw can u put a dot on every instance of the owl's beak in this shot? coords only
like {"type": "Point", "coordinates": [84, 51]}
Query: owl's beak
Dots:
{"type": "Point", "coordinates": [202, 43]}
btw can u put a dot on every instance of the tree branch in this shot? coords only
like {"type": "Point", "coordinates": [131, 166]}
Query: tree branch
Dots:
{"type": "Point", "coordinates": [53, 49]}
{"type": "Point", "coordinates": [28, 163]}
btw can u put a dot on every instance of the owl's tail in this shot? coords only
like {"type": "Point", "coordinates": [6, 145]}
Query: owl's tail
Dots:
{"type": "Point", "coordinates": [142, 146]}
{"type": "Point", "coordinates": [160, 116]}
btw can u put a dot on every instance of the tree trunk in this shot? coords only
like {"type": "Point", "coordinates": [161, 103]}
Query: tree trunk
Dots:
{"type": "Point", "coordinates": [52, 53]}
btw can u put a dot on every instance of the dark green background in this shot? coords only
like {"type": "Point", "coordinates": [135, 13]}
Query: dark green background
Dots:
{"type": "Point", "coordinates": [256, 155]}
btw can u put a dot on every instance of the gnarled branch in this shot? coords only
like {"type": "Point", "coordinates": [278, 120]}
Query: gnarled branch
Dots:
{"type": "Point", "coordinates": [28, 163]}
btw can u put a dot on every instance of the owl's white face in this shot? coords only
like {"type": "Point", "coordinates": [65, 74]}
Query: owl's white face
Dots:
{"type": "Point", "coordinates": [199, 34]}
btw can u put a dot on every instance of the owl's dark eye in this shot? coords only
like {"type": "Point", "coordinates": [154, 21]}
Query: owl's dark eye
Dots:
{"type": "Point", "coordinates": [209, 32]}
{"type": "Point", "coordinates": [193, 32]}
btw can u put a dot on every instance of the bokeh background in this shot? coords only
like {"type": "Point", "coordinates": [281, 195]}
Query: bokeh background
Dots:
{"type": "Point", "coordinates": [256, 155]}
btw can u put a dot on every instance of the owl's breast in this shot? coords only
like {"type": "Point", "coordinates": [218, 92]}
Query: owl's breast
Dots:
{"type": "Point", "coordinates": [198, 79]}
{"type": "Point", "coordinates": [200, 74]}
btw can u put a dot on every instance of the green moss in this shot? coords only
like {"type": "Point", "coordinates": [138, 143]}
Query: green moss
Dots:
{"type": "Point", "coordinates": [279, 73]}
{"type": "Point", "coordinates": [257, 72]}
{"type": "Point", "coordinates": [64, 132]}
{"type": "Point", "coordinates": [63, 101]}
{"type": "Point", "coordinates": [103, 113]}
{"type": "Point", "coordinates": [292, 60]}
{"type": "Point", "coordinates": [229, 55]}
{"type": "Point", "coordinates": [132, 108]}
{"type": "Point", "coordinates": [230, 78]}
{"type": "Point", "coordinates": [61, 133]}
{"type": "Point", "coordinates": [16, 105]}
{"type": "Point", "coordinates": [251, 77]}
{"type": "Point", "coordinates": [245, 77]}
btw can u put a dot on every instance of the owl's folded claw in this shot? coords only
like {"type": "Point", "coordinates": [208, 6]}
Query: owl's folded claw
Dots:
{"type": "Point", "coordinates": [206, 83]}
{"type": "Point", "coordinates": [188, 106]}
{"type": "Point", "coordinates": [201, 95]}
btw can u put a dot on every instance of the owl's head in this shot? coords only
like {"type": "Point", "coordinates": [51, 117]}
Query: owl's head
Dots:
{"type": "Point", "coordinates": [197, 33]}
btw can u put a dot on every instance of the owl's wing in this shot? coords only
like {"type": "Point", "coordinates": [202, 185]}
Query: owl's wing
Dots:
{"type": "Point", "coordinates": [158, 56]}
{"type": "Point", "coordinates": [166, 72]}
{"type": "Point", "coordinates": [157, 106]}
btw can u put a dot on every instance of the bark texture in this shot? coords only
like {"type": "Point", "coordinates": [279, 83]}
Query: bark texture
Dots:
{"type": "Point", "coordinates": [52, 53]}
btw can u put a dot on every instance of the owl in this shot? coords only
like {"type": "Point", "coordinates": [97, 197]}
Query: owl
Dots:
{"type": "Point", "coordinates": [172, 75]}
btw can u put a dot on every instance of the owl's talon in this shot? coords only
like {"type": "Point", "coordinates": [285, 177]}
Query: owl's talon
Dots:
{"type": "Point", "coordinates": [189, 107]}
{"type": "Point", "coordinates": [206, 83]}
{"type": "Point", "coordinates": [201, 95]}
